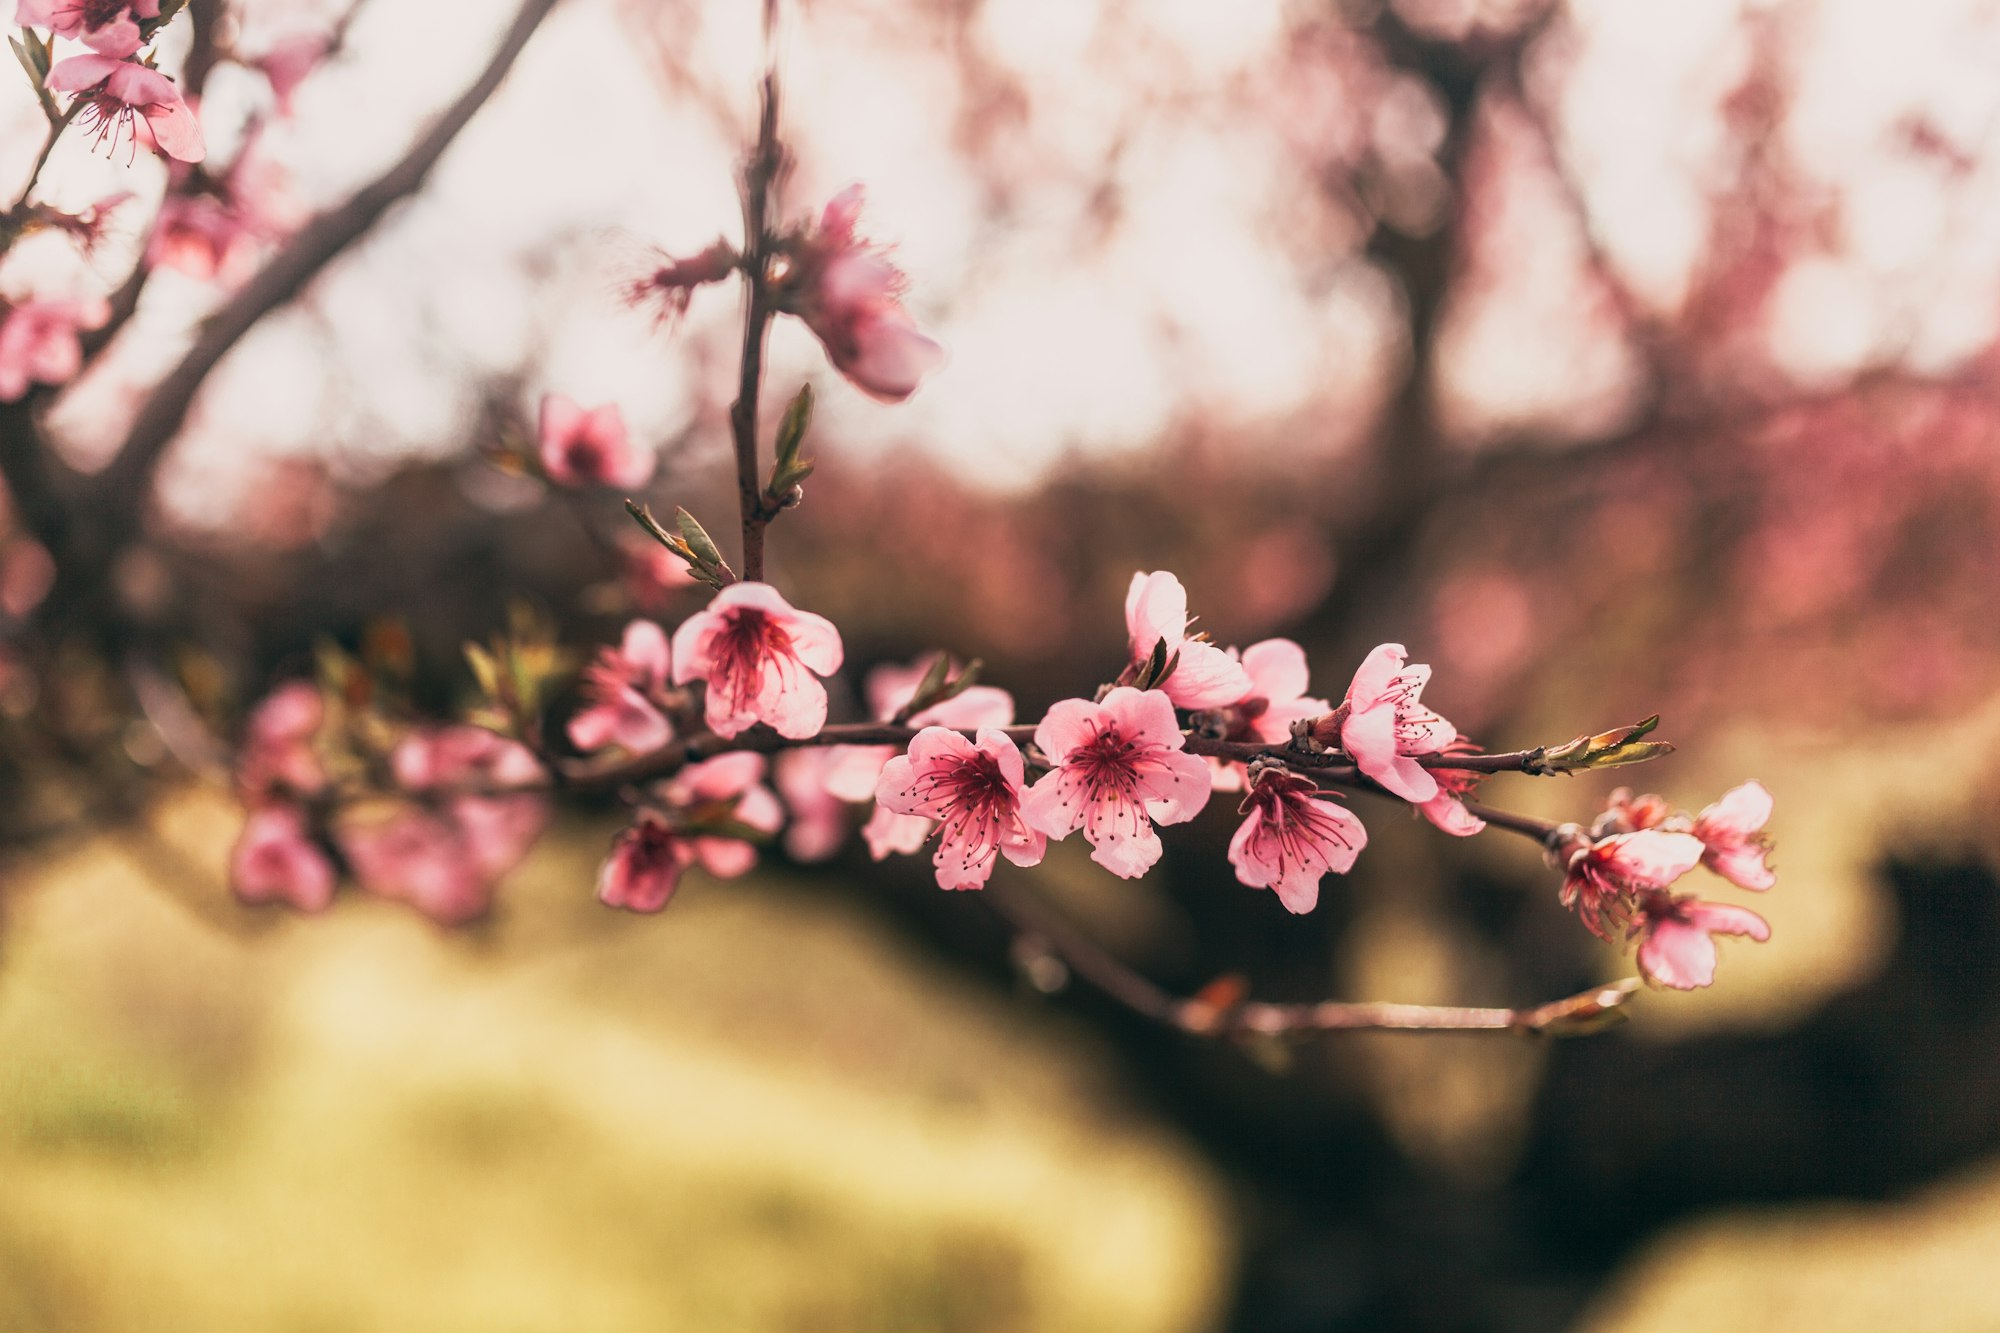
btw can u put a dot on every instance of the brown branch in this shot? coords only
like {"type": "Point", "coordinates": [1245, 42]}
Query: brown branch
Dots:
{"type": "Point", "coordinates": [760, 178]}
{"type": "Point", "coordinates": [122, 488]}
{"type": "Point", "coordinates": [1203, 1018]}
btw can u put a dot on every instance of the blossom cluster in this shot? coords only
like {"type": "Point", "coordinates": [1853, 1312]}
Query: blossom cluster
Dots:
{"type": "Point", "coordinates": [1618, 877]}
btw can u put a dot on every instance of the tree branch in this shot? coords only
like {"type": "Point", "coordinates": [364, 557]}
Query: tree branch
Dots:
{"type": "Point", "coordinates": [1202, 1017]}
{"type": "Point", "coordinates": [123, 486]}
{"type": "Point", "coordinates": [760, 178]}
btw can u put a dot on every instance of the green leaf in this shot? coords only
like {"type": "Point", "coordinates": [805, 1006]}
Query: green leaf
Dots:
{"type": "Point", "coordinates": [1607, 749]}
{"type": "Point", "coordinates": [792, 427]}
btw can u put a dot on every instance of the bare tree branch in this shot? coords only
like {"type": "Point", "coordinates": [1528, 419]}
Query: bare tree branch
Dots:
{"type": "Point", "coordinates": [123, 486]}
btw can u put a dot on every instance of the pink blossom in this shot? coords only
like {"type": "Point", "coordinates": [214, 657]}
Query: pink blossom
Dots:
{"type": "Point", "coordinates": [276, 860]}
{"type": "Point", "coordinates": [288, 63]}
{"type": "Point", "coordinates": [890, 834]}
{"type": "Point", "coordinates": [645, 866]}
{"type": "Point", "coordinates": [1276, 698]}
{"type": "Point", "coordinates": [649, 857]}
{"type": "Point", "coordinates": [1386, 723]}
{"type": "Point", "coordinates": [421, 859]}
{"type": "Point", "coordinates": [850, 296]}
{"type": "Point", "coordinates": [973, 789]}
{"type": "Point", "coordinates": [668, 283]}
{"type": "Point", "coordinates": [39, 343]}
{"type": "Point", "coordinates": [108, 27]}
{"type": "Point", "coordinates": [1732, 834]}
{"type": "Point", "coordinates": [1604, 877]}
{"type": "Point", "coordinates": [491, 812]}
{"type": "Point", "coordinates": [1293, 837]}
{"type": "Point", "coordinates": [203, 237]}
{"type": "Point", "coordinates": [278, 751]}
{"type": "Point", "coordinates": [591, 448]}
{"type": "Point", "coordinates": [1447, 809]}
{"type": "Point", "coordinates": [1119, 767]}
{"type": "Point", "coordinates": [623, 685]}
{"type": "Point", "coordinates": [854, 769]}
{"type": "Point", "coordinates": [1626, 813]}
{"type": "Point", "coordinates": [652, 575]}
{"type": "Point", "coordinates": [819, 818]}
{"type": "Point", "coordinates": [117, 91]}
{"type": "Point", "coordinates": [760, 658]}
{"type": "Point", "coordinates": [1206, 676]}
{"type": "Point", "coordinates": [217, 233]}
{"type": "Point", "coordinates": [1679, 948]}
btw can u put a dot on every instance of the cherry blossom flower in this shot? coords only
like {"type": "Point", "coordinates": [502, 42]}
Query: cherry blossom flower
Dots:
{"type": "Point", "coordinates": [1206, 676]}
{"type": "Point", "coordinates": [622, 685]}
{"type": "Point", "coordinates": [1293, 837]}
{"type": "Point", "coordinates": [495, 826]}
{"type": "Point", "coordinates": [421, 859]}
{"type": "Point", "coordinates": [728, 787]}
{"type": "Point", "coordinates": [760, 658]}
{"type": "Point", "coordinates": [850, 296]}
{"type": "Point", "coordinates": [86, 228]}
{"type": "Point", "coordinates": [649, 857]}
{"type": "Point", "coordinates": [1385, 723]}
{"type": "Point", "coordinates": [668, 283]}
{"type": "Point", "coordinates": [1447, 809]}
{"type": "Point", "coordinates": [1679, 949]}
{"type": "Point", "coordinates": [277, 751]}
{"type": "Point", "coordinates": [1119, 767]}
{"type": "Point", "coordinates": [973, 789]}
{"type": "Point", "coordinates": [217, 231]}
{"type": "Point", "coordinates": [39, 343]}
{"type": "Point", "coordinates": [288, 64]}
{"type": "Point", "coordinates": [116, 92]}
{"type": "Point", "coordinates": [888, 833]}
{"type": "Point", "coordinates": [276, 860]}
{"type": "Point", "coordinates": [853, 770]}
{"type": "Point", "coordinates": [1604, 877]}
{"type": "Point", "coordinates": [580, 448]}
{"type": "Point", "coordinates": [1733, 838]}
{"type": "Point", "coordinates": [108, 27]}
{"type": "Point", "coordinates": [819, 818]}
{"type": "Point", "coordinates": [1276, 698]}
{"type": "Point", "coordinates": [652, 576]}
{"type": "Point", "coordinates": [1627, 813]}
{"type": "Point", "coordinates": [645, 865]}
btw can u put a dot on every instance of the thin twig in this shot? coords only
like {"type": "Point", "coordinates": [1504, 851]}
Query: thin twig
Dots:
{"type": "Point", "coordinates": [1203, 1018]}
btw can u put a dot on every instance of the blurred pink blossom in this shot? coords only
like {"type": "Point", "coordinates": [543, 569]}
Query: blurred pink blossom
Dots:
{"type": "Point", "coordinates": [645, 865]}
{"type": "Point", "coordinates": [1732, 836]}
{"type": "Point", "coordinates": [1386, 723]}
{"type": "Point", "coordinates": [289, 62]}
{"type": "Point", "coordinates": [850, 296]}
{"type": "Point", "coordinates": [819, 818]}
{"type": "Point", "coordinates": [1679, 949]}
{"type": "Point", "coordinates": [421, 859]}
{"type": "Point", "coordinates": [973, 789]}
{"type": "Point", "coordinates": [108, 27]}
{"type": "Point", "coordinates": [1293, 837]}
{"type": "Point", "coordinates": [1119, 768]}
{"type": "Point", "coordinates": [728, 788]}
{"type": "Point", "coordinates": [580, 448]}
{"type": "Point", "coordinates": [277, 752]}
{"type": "Point", "coordinates": [116, 92]}
{"type": "Point", "coordinates": [622, 686]}
{"type": "Point", "coordinates": [760, 658]}
{"type": "Point", "coordinates": [276, 860]}
{"type": "Point", "coordinates": [39, 343]}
